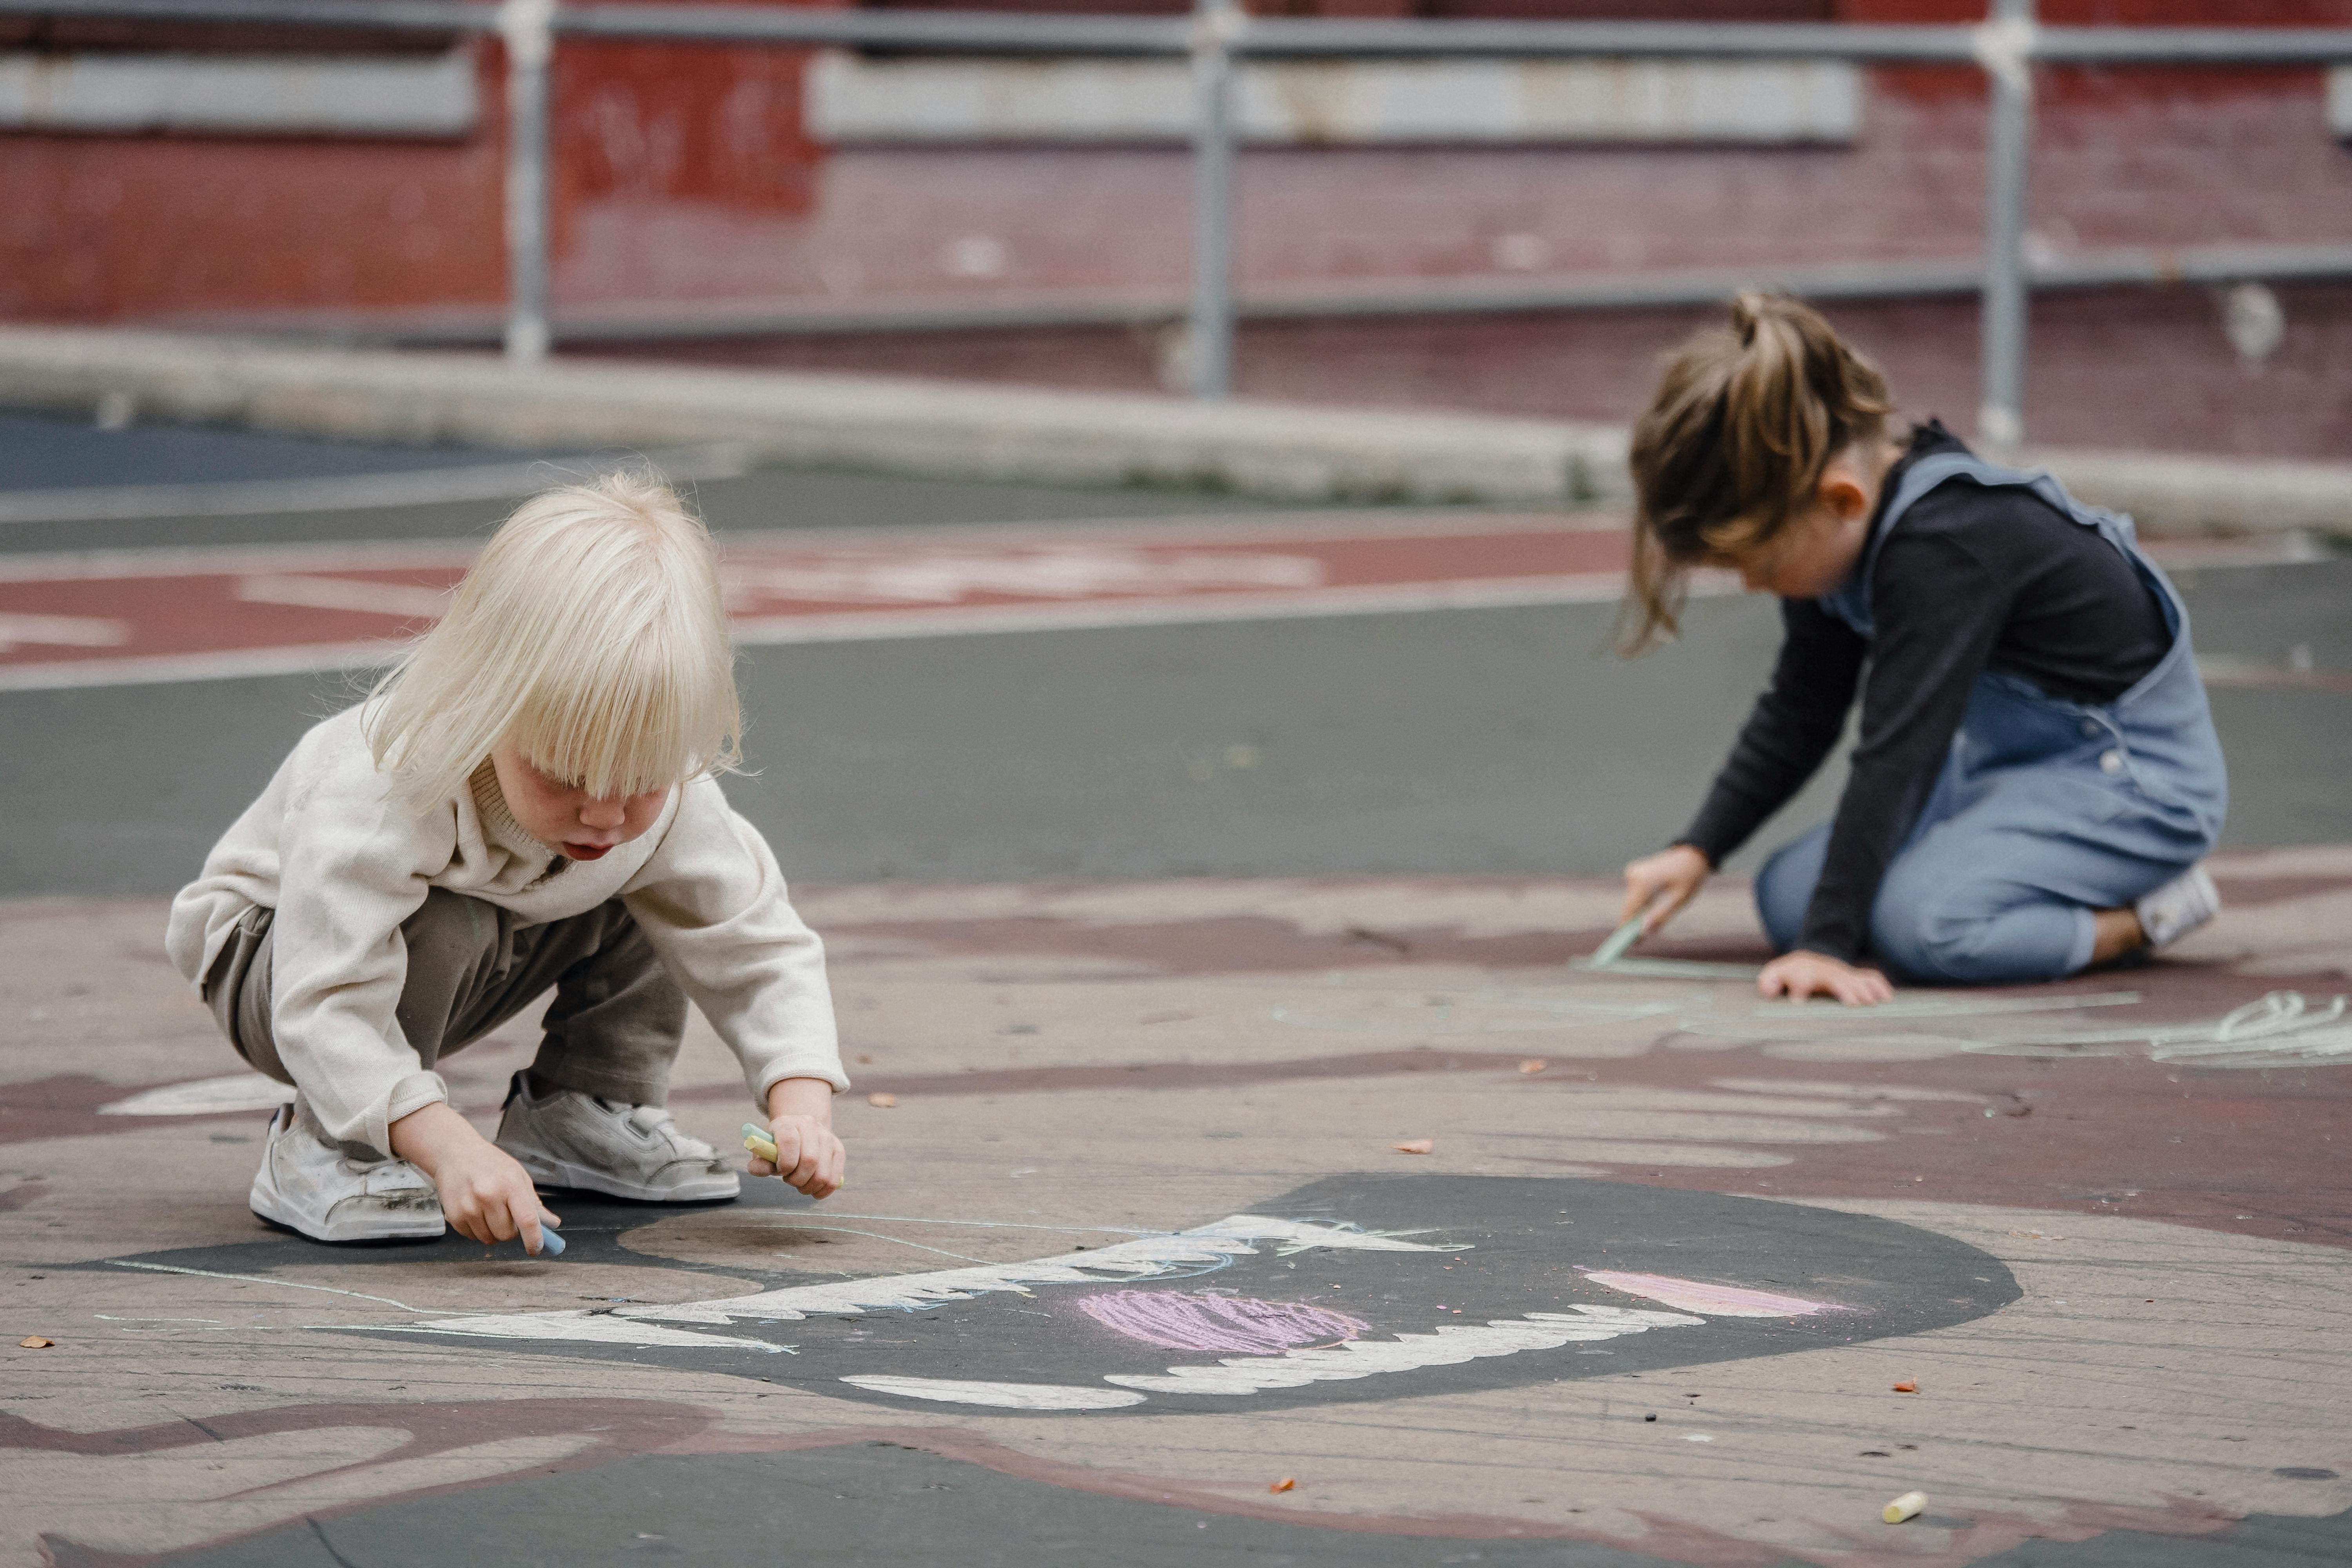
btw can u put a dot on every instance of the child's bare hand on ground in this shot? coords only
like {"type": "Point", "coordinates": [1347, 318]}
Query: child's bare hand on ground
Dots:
{"type": "Point", "coordinates": [809, 1155]}
{"type": "Point", "coordinates": [485, 1193]}
{"type": "Point", "coordinates": [1800, 974]}
{"type": "Point", "coordinates": [1663, 883]}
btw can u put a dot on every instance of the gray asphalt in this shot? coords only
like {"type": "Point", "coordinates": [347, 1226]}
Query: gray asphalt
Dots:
{"type": "Point", "coordinates": [871, 1504]}
{"type": "Point", "coordinates": [1494, 740]}
{"type": "Point", "coordinates": [1488, 741]}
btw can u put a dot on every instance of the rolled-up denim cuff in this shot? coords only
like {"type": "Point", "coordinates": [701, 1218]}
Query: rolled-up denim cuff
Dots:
{"type": "Point", "coordinates": [2086, 941]}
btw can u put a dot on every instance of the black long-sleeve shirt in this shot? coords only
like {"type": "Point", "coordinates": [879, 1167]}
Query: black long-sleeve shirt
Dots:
{"type": "Point", "coordinates": [1973, 579]}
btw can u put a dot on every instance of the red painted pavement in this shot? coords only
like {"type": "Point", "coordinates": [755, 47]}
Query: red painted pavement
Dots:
{"type": "Point", "coordinates": [139, 617]}
{"type": "Point", "coordinates": [156, 615]}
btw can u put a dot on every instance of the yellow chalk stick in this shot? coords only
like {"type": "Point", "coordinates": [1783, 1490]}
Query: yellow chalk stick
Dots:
{"type": "Point", "coordinates": [758, 1139]}
{"type": "Point", "coordinates": [1903, 1507]}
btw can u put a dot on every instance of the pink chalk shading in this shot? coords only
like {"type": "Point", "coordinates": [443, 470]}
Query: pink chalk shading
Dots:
{"type": "Point", "coordinates": [1712, 1300]}
{"type": "Point", "coordinates": [1236, 1323]}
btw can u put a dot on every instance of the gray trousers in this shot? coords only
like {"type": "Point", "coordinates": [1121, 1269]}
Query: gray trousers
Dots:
{"type": "Point", "coordinates": [614, 1028]}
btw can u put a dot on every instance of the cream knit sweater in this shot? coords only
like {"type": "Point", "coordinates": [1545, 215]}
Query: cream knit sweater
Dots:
{"type": "Point", "coordinates": [343, 865]}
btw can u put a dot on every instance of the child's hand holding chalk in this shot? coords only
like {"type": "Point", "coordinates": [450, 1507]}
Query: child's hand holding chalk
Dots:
{"type": "Point", "coordinates": [761, 1143]}
{"type": "Point", "coordinates": [1658, 886]}
{"type": "Point", "coordinates": [798, 1142]}
{"type": "Point", "coordinates": [538, 1234]}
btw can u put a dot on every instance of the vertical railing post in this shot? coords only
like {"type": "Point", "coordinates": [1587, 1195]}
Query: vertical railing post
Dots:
{"type": "Point", "coordinates": [527, 29]}
{"type": "Point", "coordinates": [1209, 320]}
{"type": "Point", "coordinates": [2005, 49]}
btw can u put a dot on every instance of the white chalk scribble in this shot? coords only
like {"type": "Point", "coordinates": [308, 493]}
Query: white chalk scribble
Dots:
{"type": "Point", "coordinates": [1183, 1254]}
{"type": "Point", "coordinates": [1450, 1345]}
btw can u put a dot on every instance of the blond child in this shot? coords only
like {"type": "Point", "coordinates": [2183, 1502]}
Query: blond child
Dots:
{"type": "Point", "coordinates": [2035, 774]}
{"type": "Point", "coordinates": [528, 800]}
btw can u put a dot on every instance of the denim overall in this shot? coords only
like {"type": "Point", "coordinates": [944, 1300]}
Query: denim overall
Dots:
{"type": "Point", "coordinates": [2046, 809]}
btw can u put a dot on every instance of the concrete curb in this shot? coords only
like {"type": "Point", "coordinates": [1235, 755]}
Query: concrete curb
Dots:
{"type": "Point", "coordinates": [1281, 451]}
{"type": "Point", "coordinates": [1276, 450]}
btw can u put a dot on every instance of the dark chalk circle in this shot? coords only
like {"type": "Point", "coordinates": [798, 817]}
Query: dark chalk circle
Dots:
{"type": "Point", "coordinates": [1494, 1252]}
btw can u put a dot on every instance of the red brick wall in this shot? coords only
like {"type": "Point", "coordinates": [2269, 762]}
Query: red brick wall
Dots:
{"type": "Point", "coordinates": [666, 153]}
{"type": "Point", "coordinates": [95, 227]}
{"type": "Point", "coordinates": [2095, 85]}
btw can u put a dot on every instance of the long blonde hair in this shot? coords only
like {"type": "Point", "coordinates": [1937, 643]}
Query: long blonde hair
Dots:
{"type": "Point", "coordinates": [1745, 418]}
{"type": "Point", "coordinates": [590, 635]}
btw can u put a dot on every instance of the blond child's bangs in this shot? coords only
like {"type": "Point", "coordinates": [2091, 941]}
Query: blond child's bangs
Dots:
{"type": "Point", "coordinates": [590, 636]}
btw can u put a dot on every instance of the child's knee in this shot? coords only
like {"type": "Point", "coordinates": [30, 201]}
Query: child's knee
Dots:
{"type": "Point", "coordinates": [1967, 932]}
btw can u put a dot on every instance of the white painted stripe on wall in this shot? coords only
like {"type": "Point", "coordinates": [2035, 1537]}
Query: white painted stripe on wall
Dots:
{"type": "Point", "coordinates": [853, 98]}
{"type": "Point", "coordinates": [285, 95]}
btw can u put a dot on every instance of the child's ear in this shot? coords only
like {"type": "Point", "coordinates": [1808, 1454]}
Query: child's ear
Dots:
{"type": "Point", "coordinates": [1843, 495]}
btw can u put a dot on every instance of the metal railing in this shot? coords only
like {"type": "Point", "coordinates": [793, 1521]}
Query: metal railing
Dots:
{"type": "Point", "coordinates": [2007, 47]}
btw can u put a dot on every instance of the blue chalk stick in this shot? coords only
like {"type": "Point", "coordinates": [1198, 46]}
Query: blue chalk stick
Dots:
{"type": "Point", "coordinates": [549, 1244]}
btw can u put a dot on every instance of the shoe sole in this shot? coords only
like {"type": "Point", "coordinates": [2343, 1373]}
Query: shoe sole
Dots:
{"type": "Point", "coordinates": [555, 1172]}
{"type": "Point", "coordinates": [264, 1203]}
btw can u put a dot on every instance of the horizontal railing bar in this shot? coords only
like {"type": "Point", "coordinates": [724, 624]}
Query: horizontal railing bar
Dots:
{"type": "Point", "coordinates": [375, 15]}
{"type": "Point", "coordinates": [1294, 38]}
{"type": "Point", "coordinates": [2193, 264]}
{"type": "Point", "coordinates": [988, 31]}
{"type": "Point", "coordinates": [2192, 46]}
{"type": "Point", "coordinates": [996, 32]}
{"type": "Point", "coordinates": [1923, 277]}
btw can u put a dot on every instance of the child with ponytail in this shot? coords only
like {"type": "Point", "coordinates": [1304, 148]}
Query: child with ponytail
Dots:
{"type": "Point", "coordinates": [2036, 775]}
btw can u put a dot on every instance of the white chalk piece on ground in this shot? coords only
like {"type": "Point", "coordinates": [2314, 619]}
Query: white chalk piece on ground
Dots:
{"type": "Point", "coordinates": [1665, 969]}
{"type": "Point", "coordinates": [1620, 942]}
{"type": "Point", "coordinates": [1903, 1508]}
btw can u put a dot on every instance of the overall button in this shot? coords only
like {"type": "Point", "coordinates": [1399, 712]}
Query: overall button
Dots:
{"type": "Point", "coordinates": [2090, 726]}
{"type": "Point", "coordinates": [2111, 762]}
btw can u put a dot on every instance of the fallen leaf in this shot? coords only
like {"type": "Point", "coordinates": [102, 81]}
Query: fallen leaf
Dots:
{"type": "Point", "coordinates": [1284, 1485]}
{"type": "Point", "coordinates": [885, 1100]}
{"type": "Point", "coordinates": [1417, 1146]}
{"type": "Point", "coordinates": [1533, 1065]}
{"type": "Point", "coordinates": [35, 1342]}
{"type": "Point", "coordinates": [1906, 1388]}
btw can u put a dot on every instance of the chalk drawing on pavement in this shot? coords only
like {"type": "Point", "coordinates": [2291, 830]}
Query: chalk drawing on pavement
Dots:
{"type": "Point", "coordinates": [1370, 1286]}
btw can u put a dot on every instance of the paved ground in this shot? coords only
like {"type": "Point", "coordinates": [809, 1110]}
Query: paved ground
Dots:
{"type": "Point", "coordinates": [1163, 937]}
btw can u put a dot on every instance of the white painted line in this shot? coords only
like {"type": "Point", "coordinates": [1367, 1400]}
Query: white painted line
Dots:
{"type": "Point", "coordinates": [872, 625]}
{"type": "Point", "coordinates": [235, 560]}
{"type": "Point", "coordinates": [975, 620]}
{"type": "Point", "coordinates": [352, 595]}
{"type": "Point", "coordinates": [356, 492]}
{"type": "Point", "coordinates": [238, 664]}
{"type": "Point", "coordinates": [61, 631]}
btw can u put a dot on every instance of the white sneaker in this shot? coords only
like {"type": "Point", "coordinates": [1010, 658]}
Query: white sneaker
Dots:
{"type": "Point", "coordinates": [2179, 906]}
{"type": "Point", "coordinates": [310, 1185]}
{"type": "Point", "coordinates": [567, 1139]}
